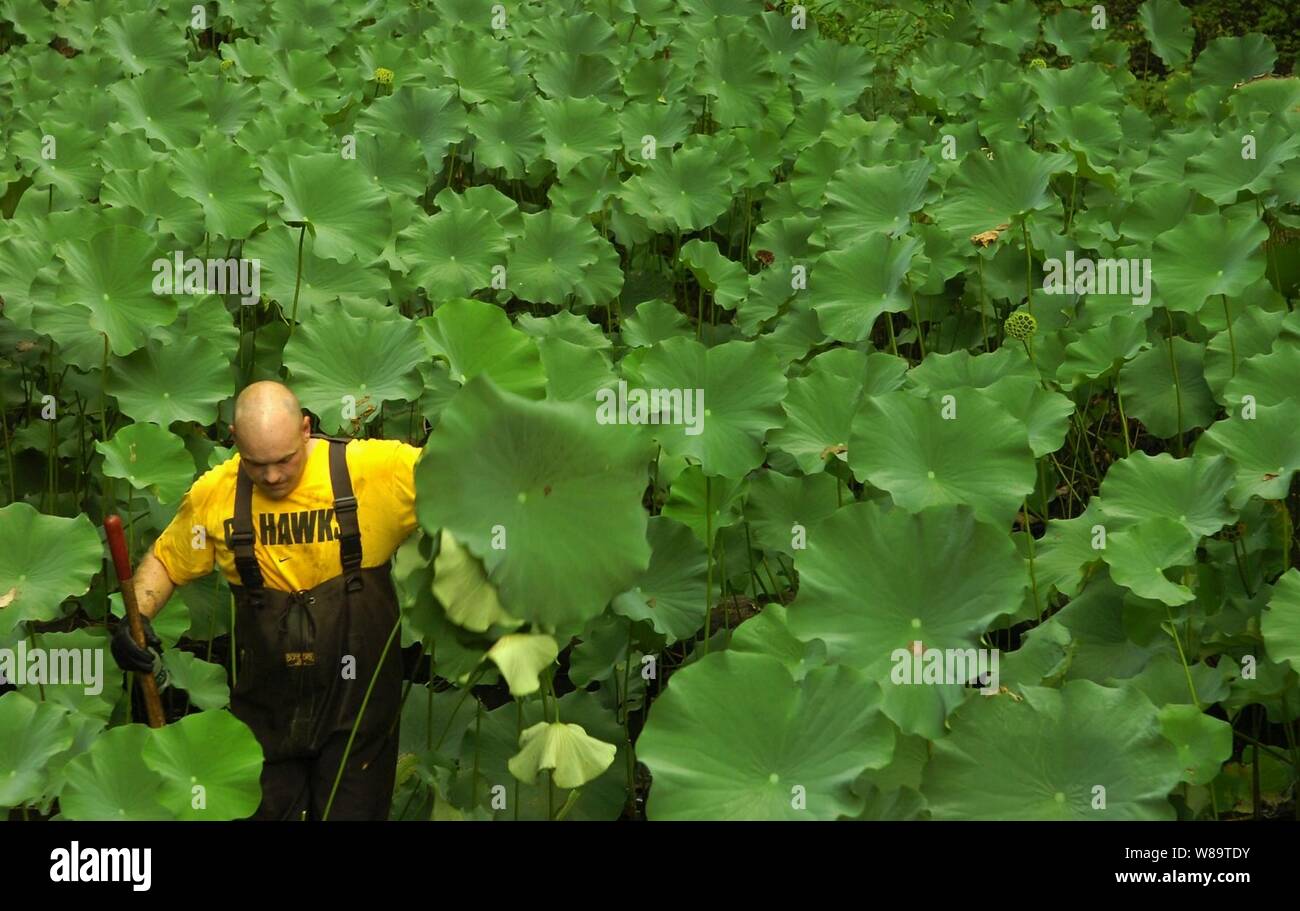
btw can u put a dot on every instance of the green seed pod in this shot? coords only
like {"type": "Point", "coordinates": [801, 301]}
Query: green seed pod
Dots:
{"type": "Point", "coordinates": [383, 75]}
{"type": "Point", "coordinates": [1020, 325]}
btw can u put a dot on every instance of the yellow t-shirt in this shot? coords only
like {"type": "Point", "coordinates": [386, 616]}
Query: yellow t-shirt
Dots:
{"type": "Point", "coordinates": [296, 543]}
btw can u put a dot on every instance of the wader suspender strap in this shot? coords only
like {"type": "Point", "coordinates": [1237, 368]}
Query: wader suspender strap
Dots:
{"type": "Point", "coordinates": [242, 538]}
{"type": "Point", "coordinates": [345, 510]}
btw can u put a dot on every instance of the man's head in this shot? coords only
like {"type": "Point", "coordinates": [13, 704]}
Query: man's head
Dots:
{"type": "Point", "coordinates": [272, 434]}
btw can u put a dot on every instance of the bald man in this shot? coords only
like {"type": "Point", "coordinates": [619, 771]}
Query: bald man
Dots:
{"type": "Point", "coordinates": [303, 527]}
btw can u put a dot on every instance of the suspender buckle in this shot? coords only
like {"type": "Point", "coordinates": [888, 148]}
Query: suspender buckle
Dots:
{"type": "Point", "coordinates": [354, 584]}
{"type": "Point", "coordinates": [345, 504]}
{"type": "Point", "coordinates": [241, 538]}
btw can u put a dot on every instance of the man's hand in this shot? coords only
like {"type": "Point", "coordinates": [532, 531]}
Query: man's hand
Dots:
{"type": "Point", "coordinates": [131, 657]}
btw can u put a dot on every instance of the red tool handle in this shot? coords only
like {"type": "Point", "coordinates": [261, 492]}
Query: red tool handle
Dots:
{"type": "Point", "coordinates": [122, 563]}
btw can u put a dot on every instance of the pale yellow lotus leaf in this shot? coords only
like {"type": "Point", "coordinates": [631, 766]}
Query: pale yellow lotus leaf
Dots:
{"type": "Point", "coordinates": [522, 657]}
{"type": "Point", "coordinates": [462, 585]}
{"type": "Point", "coordinates": [574, 756]}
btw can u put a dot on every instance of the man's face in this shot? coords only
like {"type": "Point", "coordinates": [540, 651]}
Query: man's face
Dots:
{"type": "Point", "coordinates": [275, 459]}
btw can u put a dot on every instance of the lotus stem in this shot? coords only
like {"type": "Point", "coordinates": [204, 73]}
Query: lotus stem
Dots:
{"type": "Point", "coordinates": [365, 701]}
{"type": "Point", "coordinates": [1232, 339]}
{"type": "Point", "coordinates": [9, 455]}
{"type": "Point", "coordinates": [297, 281]}
{"type": "Point", "coordinates": [1033, 576]}
{"type": "Point", "coordinates": [1178, 389]}
{"type": "Point", "coordinates": [708, 545]}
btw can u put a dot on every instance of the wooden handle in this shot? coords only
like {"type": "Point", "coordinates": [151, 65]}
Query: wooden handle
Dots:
{"type": "Point", "coordinates": [122, 564]}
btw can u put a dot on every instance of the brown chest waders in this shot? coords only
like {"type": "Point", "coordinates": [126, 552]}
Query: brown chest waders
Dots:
{"type": "Point", "coordinates": [305, 661]}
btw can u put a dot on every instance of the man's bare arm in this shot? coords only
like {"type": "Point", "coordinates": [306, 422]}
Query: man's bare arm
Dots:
{"type": "Point", "coordinates": [153, 587]}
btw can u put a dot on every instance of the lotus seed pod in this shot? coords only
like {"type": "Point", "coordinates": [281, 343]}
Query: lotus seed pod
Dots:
{"type": "Point", "coordinates": [383, 75]}
{"type": "Point", "coordinates": [227, 64]}
{"type": "Point", "coordinates": [1038, 62]}
{"type": "Point", "coordinates": [1020, 325]}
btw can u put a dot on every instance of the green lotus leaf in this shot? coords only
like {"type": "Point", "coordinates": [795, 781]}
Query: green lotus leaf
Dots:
{"type": "Point", "coordinates": [1168, 394]}
{"type": "Point", "coordinates": [949, 373]}
{"type": "Point", "coordinates": [653, 321]}
{"type": "Point", "coordinates": [1204, 743]}
{"type": "Point", "coordinates": [319, 282]}
{"type": "Point", "coordinates": [850, 288]}
{"type": "Point", "coordinates": [165, 108]}
{"type": "Point", "coordinates": [564, 326]}
{"type": "Point", "coordinates": [1169, 29]}
{"type": "Point", "coordinates": [1205, 256]}
{"type": "Point", "coordinates": [476, 338]}
{"type": "Point", "coordinates": [727, 398]}
{"type": "Point", "coordinates": [345, 369]}
{"type": "Point", "coordinates": [1280, 623]}
{"type": "Point", "coordinates": [985, 193]}
{"type": "Point", "coordinates": [1096, 351]}
{"type": "Point", "coordinates": [1046, 756]}
{"type": "Point", "coordinates": [1092, 134]}
{"type": "Point", "coordinates": [735, 737]}
{"type": "Point", "coordinates": [725, 279]}
{"type": "Point", "coordinates": [575, 129]}
{"type": "Point", "coordinates": [222, 179]}
{"type": "Point", "coordinates": [737, 78]}
{"type": "Point", "coordinates": [182, 380]}
{"type": "Point", "coordinates": [204, 681]}
{"type": "Point", "coordinates": [1011, 25]}
{"type": "Point", "coordinates": [507, 135]}
{"type": "Point", "coordinates": [819, 409]}
{"type": "Point", "coordinates": [852, 597]}
{"type": "Point", "coordinates": [146, 200]}
{"type": "Point", "coordinates": [208, 765]}
{"type": "Point", "coordinates": [150, 458]}
{"type": "Point", "coordinates": [1166, 681]}
{"type": "Point", "coordinates": [1231, 59]}
{"type": "Point", "coordinates": [43, 560]}
{"type": "Point", "coordinates": [1253, 333]}
{"type": "Point", "coordinates": [1067, 550]}
{"type": "Point", "coordinates": [1139, 555]}
{"type": "Point", "coordinates": [1268, 378]}
{"type": "Point", "coordinates": [461, 585]}
{"type": "Point", "coordinates": [550, 259]}
{"type": "Point", "coordinates": [1264, 449]}
{"type": "Point", "coordinates": [769, 634]}
{"type": "Point", "coordinates": [348, 217]}
{"type": "Point", "coordinates": [1190, 492]}
{"type": "Point", "coordinates": [683, 190]}
{"type": "Point", "coordinates": [433, 117]}
{"type": "Point", "coordinates": [573, 371]}
{"type": "Point", "coordinates": [671, 593]}
{"type": "Point", "coordinates": [109, 782]}
{"type": "Point", "coordinates": [569, 752]}
{"type": "Point", "coordinates": [451, 254]}
{"type": "Point", "coordinates": [35, 732]}
{"type": "Point", "coordinates": [91, 711]}
{"type": "Point", "coordinates": [112, 275]}
{"type": "Point", "coordinates": [1045, 414]}
{"type": "Point", "coordinates": [563, 489]}
{"type": "Point", "coordinates": [980, 456]}
{"type": "Point", "coordinates": [701, 502]}
{"type": "Point", "coordinates": [522, 657]}
{"type": "Point", "coordinates": [780, 509]}
{"type": "Point", "coordinates": [74, 170]}
{"type": "Point", "coordinates": [829, 70]}
{"type": "Point", "coordinates": [1223, 170]}
{"type": "Point", "coordinates": [875, 199]}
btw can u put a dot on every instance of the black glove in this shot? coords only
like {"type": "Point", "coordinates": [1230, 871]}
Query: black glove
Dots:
{"type": "Point", "coordinates": [131, 657]}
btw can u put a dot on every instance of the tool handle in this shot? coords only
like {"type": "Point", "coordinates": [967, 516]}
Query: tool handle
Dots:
{"type": "Point", "coordinates": [122, 564]}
